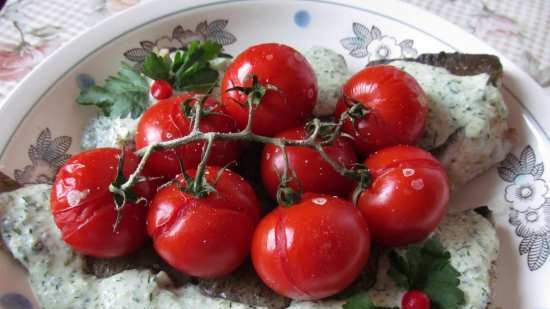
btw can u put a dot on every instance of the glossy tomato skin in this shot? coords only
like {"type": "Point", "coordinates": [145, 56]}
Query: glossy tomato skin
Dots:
{"type": "Point", "coordinates": [282, 67]}
{"type": "Point", "coordinates": [313, 173]}
{"type": "Point", "coordinates": [313, 249]}
{"type": "Point", "coordinates": [165, 120]}
{"type": "Point", "coordinates": [408, 196]}
{"type": "Point", "coordinates": [84, 209]}
{"type": "Point", "coordinates": [397, 108]}
{"type": "Point", "coordinates": [415, 300]}
{"type": "Point", "coordinates": [205, 237]}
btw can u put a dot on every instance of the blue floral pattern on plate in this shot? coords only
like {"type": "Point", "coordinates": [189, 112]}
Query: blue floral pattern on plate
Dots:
{"type": "Point", "coordinates": [530, 212]}
{"type": "Point", "coordinates": [372, 44]}
{"type": "Point", "coordinates": [180, 37]}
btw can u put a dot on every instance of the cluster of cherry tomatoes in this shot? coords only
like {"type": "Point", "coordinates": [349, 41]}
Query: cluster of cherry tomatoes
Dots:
{"type": "Point", "coordinates": [309, 250]}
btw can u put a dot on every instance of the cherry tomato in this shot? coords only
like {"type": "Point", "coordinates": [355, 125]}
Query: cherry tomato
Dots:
{"type": "Point", "coordinates": [208, 236]}
{"type": "Point", "coordinates": [165, 120]}
{"type": "Point", "coordinates": [312, 249]}
{"type": "Point", "coordinates": [313, 173]}
{"type": "Point", "coordinates": [161, 89]}
{"type": "Point", "coordinates": [408, 196]}
{"type": "Point", "coordinates": [396, 104]}
{"type": "Point", "coordinates": [415, 300]}
{"type": "Point", "coordinates": [84, 209]}
{"type": "Point", "coordinates": [285, 69]}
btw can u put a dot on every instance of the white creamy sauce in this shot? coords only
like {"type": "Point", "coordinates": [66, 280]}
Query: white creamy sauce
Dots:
{"type": "Point", "coordinates": [105, 131]}
{"type": "Point", "coordinates": [59, 282]}
{"type": "Point", "coordinates": [469, 104]}
{"type": "Point", "coordinates": [332, 72]}
{"type": "Point", "coordinates": [474, 247]}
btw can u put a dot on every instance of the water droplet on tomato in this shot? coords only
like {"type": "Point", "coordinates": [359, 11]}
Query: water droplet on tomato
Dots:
{"type": "Point", "coordinates": [74, 197]}
{"type": "Point", "coordinates": [407, 172]}
{"type": "Point", "coordinates": [319, 201]}
{"type": "Point", "coordinates": [417, 184]}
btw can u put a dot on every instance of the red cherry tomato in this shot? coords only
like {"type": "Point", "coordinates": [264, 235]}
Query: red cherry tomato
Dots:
{"type": "Point", "coordinates": [165, 120]}
{"type": "Point", "coordinates": [312, 249]}
{"type": "Point", "coordinates": [282, 67]}
{"type": "Point", "coordinates": [84, 209]}
{"type": "Point", "coordinates": [161, 89]}
{"type": "Point", "coordinates": [408, 196]}
{"type": "Point", "coordinates": [313, 173]}
{"type": "Point", "coordinates": [415, 300]}
{"type": "Point", "coordinates": [209, 236]}
{"type": "Point", "coordinates": [397, 108]}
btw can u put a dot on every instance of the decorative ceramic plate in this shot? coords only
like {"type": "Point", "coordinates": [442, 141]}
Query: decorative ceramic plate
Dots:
{"type": "Point", "coordinates": [41, 124]}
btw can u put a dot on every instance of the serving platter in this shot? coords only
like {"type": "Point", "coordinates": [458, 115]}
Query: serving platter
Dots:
{"type": "Point", "coordinates": [41, 124]}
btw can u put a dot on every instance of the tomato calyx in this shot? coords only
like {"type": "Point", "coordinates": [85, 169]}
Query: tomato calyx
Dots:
{"type": "Point", "coordinates": [254, 93]}
{"type": "Point", "coordinates": [188, 109]}
{"type": "Point", "coordinates": [355, 109]}
{"type": "Point", "coordinates": [362, 175]}
{"type": "Point", "coordinates": [122, 197]}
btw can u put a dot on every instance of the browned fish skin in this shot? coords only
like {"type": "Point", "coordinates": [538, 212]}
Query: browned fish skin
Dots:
{"type": "Point", "coordinates": [460, 64]}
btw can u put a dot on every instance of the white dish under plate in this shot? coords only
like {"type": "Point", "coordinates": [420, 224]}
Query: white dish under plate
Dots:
{"type": "Point", "coordinates": [41, 112]}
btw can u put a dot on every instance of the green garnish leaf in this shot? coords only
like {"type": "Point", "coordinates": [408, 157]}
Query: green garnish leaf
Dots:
{"type": "Point", "coordinates": [362, 301]}
{"type": "Point", "coordinates": [427, 268]}
{"type": "Point", "coordinates": [156, 67]}
{"type": "Point", "coordinates": [123, 95]}
{"type": "Point", "coordinates": [191, 69]}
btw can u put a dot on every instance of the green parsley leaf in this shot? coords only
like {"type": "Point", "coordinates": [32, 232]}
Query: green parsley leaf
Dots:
{"type": "Point", "coordinates": [191, 68]}
{"type": "Point", "coordinates": [362, 301]}
{"type": "Point", "coordinates": [157, 67]}
{"type": "Point", "coordinates": [123, 95]}
{"type": "Point", "coordinates": [427, 268]}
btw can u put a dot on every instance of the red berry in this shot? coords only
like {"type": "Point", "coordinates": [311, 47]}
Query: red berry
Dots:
{"type": "Point", "coordinates": [161, 89]}
{"type": "Point", "coordinates": [415, 300]}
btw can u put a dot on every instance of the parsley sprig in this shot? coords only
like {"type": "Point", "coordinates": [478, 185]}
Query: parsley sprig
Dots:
{"type": "Point", "coordinates": [189, 70]}
{"type": "Point", "coordinates": [424, 267]}
{"type": "Point", "coordinates": [427, 268]}
{"type": "Point", "coordinates": [125, 94]}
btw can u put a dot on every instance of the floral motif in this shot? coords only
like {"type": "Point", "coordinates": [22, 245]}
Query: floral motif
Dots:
{"type": "Point", "coordinates": [114, 6]}
{"type": "Point", "coordinates": [371, 43]}
{"type": "Point", "coordinates": [16, 60]}
{"type": "Point", "coordinates": [526, 192]}
{"type": "Point", "coordinates": [532, 222]}
{"type": "Point", "coordinates": [46, 156]}
{"type": "Point", "coordinates": [489, 23]}
{"type": "Point", "coordinates": [180, 37]}
{"type": "Point", "coordinates": [103, 8]}
{"type": "Point", "coordinates": [530, 211]}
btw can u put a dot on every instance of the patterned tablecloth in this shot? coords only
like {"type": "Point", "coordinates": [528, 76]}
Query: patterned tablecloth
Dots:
{"type": "Point", "coordinates": [31, 29]}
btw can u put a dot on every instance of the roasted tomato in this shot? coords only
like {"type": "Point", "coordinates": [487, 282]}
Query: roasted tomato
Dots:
{"type": "Point", "coordinates": [408, 196]}
{"type": "Point", "coordinates": [166, 120]}
{"type": "Point", "coordinates": [287, 104]}
{"type": "Point", "coordinates": [313, 173]}
{"type": "Point", "coordinates": [312, 249]}
{"type": "Point", "coordinates": [84, 209]}
{"type": "Point", "coordinates": [205, 236]}
{"type": "Point", "coordinates": [396, 108]}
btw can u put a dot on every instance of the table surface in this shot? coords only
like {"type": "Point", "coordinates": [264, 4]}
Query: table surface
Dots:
{"type": "Point", "coordinates": [31, 29]}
